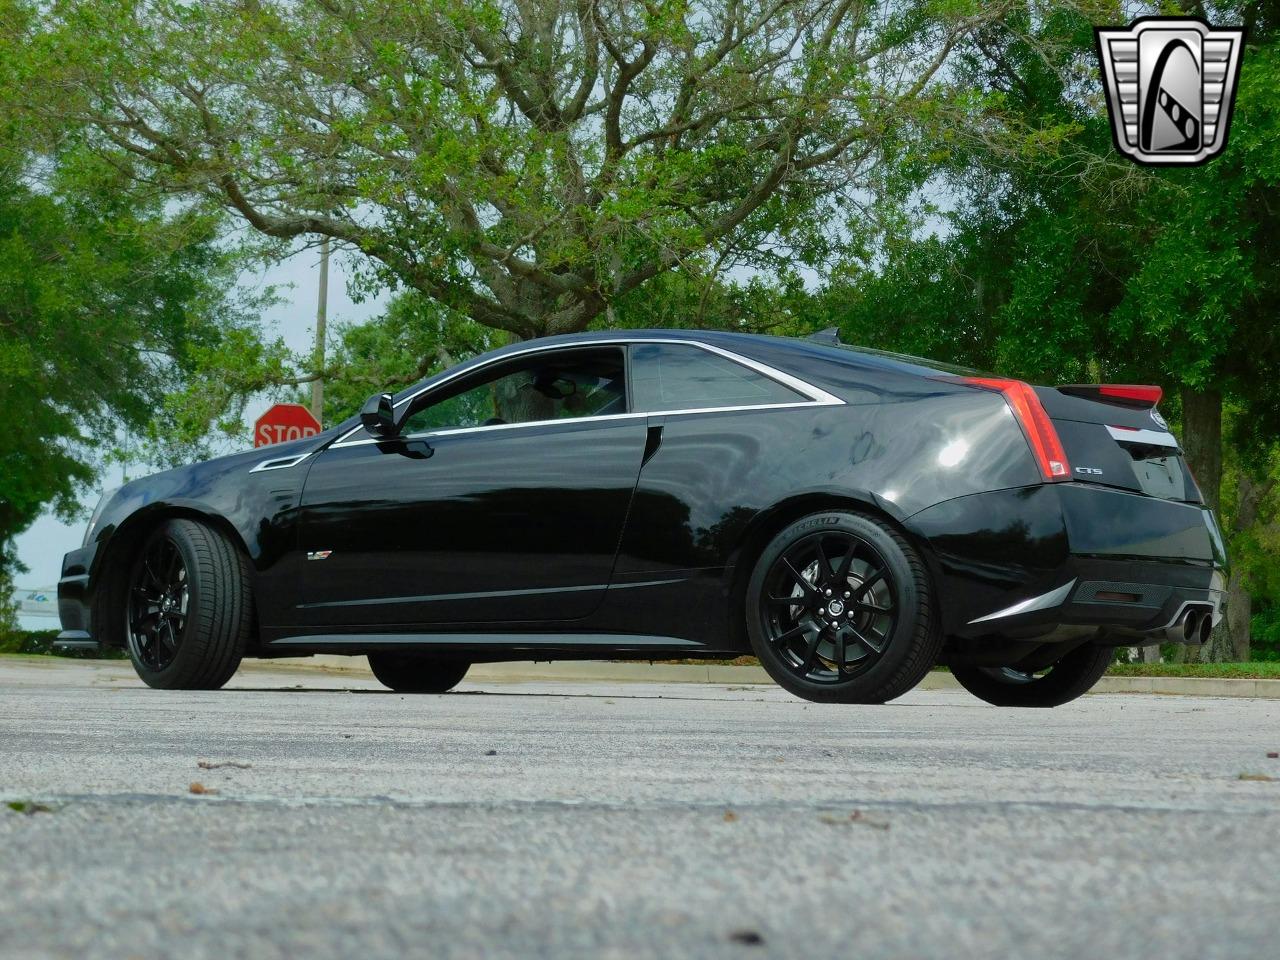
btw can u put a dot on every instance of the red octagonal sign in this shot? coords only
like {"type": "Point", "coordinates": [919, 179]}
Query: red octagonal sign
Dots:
{"type": "Point", "coordinates": [284, 421]}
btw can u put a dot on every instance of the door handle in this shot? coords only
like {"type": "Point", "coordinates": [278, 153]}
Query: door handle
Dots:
{"type": "Point", "coordinates": [651, 443]}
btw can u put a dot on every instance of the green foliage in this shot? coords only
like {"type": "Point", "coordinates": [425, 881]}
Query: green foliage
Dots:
{"type": "Point", "coordinates": [704, 300]}
{"type": "Point", "coordinates": [1062, 261]}
{"type": "Point", "coordinates": [526, 165]}
{"type": "Point", "coordinates": [1257, 669]}
{"type": "Point", "coordinates": [106, 301]}
{"type": "Point", "coordinates": [414, 338]}
{"type": "Point", "coordinates": [40, 643]}
{"type": "Point", "coordinates": [1265, 634]}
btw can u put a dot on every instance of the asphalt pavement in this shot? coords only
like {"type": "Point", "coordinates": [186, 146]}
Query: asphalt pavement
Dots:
{"type": "Point", "coordinates": [331, 819]}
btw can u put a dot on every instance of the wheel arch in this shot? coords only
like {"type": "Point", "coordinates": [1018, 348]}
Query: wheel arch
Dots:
{"type": "Point", "coordinates": [114, 560]}
{"type": "Point", "coordinates": [770, 522]}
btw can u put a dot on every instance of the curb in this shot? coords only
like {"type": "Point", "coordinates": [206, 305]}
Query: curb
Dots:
{"type": "Point", "coordinates": [588, 671]}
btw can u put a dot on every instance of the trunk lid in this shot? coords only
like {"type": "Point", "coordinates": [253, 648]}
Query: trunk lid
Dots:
{"type": "Point", "coordinates": [1115, 436]}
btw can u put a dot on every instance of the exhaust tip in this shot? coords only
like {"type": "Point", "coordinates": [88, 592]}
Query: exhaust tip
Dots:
{"type": "Point", "coordinates": [1206, 627]}
{"type": "Point", "coordinates": [1191, 626]}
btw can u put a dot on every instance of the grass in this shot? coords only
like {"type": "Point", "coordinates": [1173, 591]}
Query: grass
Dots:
{"type": "Point", "coordinates": [1255, 670]}
{"type": "Point", "coordinates": [30, 806]}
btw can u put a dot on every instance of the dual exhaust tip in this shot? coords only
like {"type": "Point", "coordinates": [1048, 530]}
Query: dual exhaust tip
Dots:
{"type": "Point", "coordinates": [1194, 627]}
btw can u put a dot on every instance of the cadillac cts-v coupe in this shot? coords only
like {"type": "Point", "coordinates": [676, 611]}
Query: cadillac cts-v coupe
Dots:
{"type": "Point", "coordinates": [850, 517]}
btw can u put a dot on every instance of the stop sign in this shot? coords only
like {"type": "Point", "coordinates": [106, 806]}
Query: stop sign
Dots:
{"type": "Point", "coordinates": [284, 421]}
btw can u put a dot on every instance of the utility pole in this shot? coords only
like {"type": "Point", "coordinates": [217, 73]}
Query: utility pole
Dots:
{"type": "Point", "coordinates": [317, 358]}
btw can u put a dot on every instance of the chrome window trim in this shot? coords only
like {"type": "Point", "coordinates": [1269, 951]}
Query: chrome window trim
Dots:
{"type": "Point", "coordinates": [817, 396]}
{"type": "Point", "coordinates": [281, 463]}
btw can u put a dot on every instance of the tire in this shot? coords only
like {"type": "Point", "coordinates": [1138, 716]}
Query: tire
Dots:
{"type": "Point", "coordinates": [1071, 677]}
{"type": "Point", "coordinates": [861, 575]}
{"type": "Point", "coordinates": [196, 639]}
{"type": "Point", "coordinates": [414, 673]}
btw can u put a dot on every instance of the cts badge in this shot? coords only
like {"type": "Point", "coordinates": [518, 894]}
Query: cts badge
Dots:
{"type": "Point", "coordinates": [1171, 83]}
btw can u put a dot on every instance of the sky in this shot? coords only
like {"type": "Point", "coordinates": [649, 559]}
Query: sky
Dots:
{"type": "Point", "coordinates": [296, 280]}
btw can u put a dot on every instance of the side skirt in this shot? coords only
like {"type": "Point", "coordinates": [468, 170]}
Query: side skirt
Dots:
{"type": "Point", "coordinates": [491, 645]}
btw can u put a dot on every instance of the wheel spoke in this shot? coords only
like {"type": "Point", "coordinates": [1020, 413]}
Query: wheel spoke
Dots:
{"type": "Point", "coordinates": [784, 640]}
{"type": "Point", "coordinates": [166, 634]}
{"type": "Point", "coordinates": [871, 607]}
{"type": "Point", "coordinates": [810, 653]}
{"type": "Point", "coordinates": [825, 573]}
{"type": "Point", "coordinates": [839, 657]}
{"type": "Point", "coordinates": [875, 646]}
{"type": "Point", "coordinates": [145, 622]}
{"type": "Point", "coordinates": [174, 566]}
{"type": "Point", "coordinates": [784, 601]}
{"type": "Point", "coordinates": [875, 577]}
{"type": "Point", "coordinates": [809, 589]}
{"type": "Point", "coordinates": [841, 575]}
{"type": "Point", "coordinates": [149, 573]}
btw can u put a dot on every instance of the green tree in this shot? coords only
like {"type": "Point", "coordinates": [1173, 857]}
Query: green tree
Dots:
{"type": "Point", "coordinates": [524, 164]}
{"type": "Point", "coordinates": [105, 301]}
{"type": "Point", "coordinates": [414, 338]}
{"type": "Point", "coordinates": [1061, 261]}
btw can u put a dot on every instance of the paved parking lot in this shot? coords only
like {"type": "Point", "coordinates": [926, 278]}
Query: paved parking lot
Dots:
{"type": "Point", "coordinates": [536, 819]}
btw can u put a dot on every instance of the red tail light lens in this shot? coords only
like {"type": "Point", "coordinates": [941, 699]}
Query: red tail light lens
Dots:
{"type": "Point", "coordinates": [1131, 391]}
{"type": "Point", "coordinates": [1028, 410]}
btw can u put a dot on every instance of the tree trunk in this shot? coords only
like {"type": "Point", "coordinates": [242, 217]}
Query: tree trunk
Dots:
{"type": "Point", "coordinates": [1249, 496]}
{"type": "Point", "coordinates": [1202, 440]}
{"type": "Point", "coordinates": [1239, 612]}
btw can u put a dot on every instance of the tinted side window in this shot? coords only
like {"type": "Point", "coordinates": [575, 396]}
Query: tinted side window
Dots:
{"type": "Point", "coordinates": [672, 376]}
{"type": "Point", "coordinates": [559, 386]}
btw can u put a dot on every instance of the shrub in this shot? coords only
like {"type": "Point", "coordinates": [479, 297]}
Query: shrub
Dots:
{"type": "Point", "coordinates": [1264, 633]}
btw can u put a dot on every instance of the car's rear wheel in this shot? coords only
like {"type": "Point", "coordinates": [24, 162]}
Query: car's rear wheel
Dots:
{"type": "Point", "coordinates": [1061, 682]}
{"type": "Point", "coordinates": [839, 609]}
{"type": "Point", "coordinates": [188, 609]}
{"type": "Point", "coordinates": [414, 673]}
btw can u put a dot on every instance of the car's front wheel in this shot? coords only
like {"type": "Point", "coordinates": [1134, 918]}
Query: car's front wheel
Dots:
{"type": "Point", "coordinates": [188, 610]}
{"type": "Point", "coordinates": [1072, 676]}
{"type": "Point", "coordinates": [840, 609]}
{"type": "Point", "coordinates": [414, 673]}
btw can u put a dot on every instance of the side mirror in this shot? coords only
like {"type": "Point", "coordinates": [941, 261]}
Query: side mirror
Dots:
{"type": "Point", "coordinates": [378, 417]}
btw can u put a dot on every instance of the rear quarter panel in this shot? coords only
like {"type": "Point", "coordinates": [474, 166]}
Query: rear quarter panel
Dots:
{"type": "Point", "coordinates": [899, 444]}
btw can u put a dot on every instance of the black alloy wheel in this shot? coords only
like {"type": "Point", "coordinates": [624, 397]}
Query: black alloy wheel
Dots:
{"type": "Point", "coordinates": [830, 607]}
{"type": "Point", "coordinates": [188, 609]}
{"type": "Point", "coordinates": [839, 610]}
{"type": "Point", "coordinates": [158, 602]}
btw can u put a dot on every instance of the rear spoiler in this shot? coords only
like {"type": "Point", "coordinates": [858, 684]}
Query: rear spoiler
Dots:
{"type": "Point", "coordinates": [1125, 394]}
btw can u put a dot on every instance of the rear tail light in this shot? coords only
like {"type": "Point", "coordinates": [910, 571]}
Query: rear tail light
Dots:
{"type": "Point", "coordinates": [1130, 391]}
{"type": "Point", "coordinates": [1028, 410]}
{"type": "Point", "coordinates": [1138, 394]}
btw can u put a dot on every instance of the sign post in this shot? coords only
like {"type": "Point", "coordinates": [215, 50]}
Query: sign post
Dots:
{"type": "Point", "coordinates": [284, 421]}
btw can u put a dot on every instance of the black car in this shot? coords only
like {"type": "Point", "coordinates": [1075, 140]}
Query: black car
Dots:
{"type": "Point", "coordinates": [851, 517]}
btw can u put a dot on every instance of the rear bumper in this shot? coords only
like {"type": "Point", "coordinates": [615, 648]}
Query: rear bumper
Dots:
{"type": "Point", "coordinates": [1066, 560]}
{"type": "Point", "coordinates": [74, 601]}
